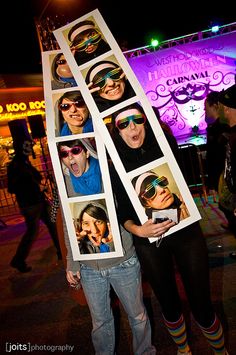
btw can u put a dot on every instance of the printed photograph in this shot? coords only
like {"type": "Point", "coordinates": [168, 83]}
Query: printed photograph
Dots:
{"type": "Point", "coordinates": [108, 83]}
{"type": "Point", "coordinates": [92, 227]}
{"type": "Point", "coordinates": [61, 75]}
{"type": "Point", "coordinates": [80, 167]}
{"type": "Point", "coordinates": [86, 41]}
{"type": "Point", "coordinates": [72, 115]}
{"type": "Point", "coordinates": [133, 136]}
{"type": "Point", "coordinates": [160, 196]}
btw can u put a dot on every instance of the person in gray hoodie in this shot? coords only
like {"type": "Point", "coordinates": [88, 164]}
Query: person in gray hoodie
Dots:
{"type": "Point", "coordinates": [124, 276]}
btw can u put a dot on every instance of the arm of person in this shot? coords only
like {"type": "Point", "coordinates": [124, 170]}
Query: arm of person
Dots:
{"type": "Point", "coordinates": [72, 266]}
{"type": "Point", "coordinates": [149, 229]}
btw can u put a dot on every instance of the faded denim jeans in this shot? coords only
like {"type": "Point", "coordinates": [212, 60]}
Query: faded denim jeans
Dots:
{"type": "Point", "coordinates": [125, 279]}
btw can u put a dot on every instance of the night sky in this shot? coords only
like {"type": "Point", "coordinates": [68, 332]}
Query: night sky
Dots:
{"type": "Point", "coordinates": [20, 51]}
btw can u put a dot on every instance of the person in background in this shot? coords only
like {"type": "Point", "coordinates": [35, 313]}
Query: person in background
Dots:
{"type": "Point", "coordinates": [86, 42]}
{"type": "Point", "coordinates": [93, 230]}
{"type": "Point", "coordinates": [227, 114]}
{"type": "Point", "coordinates": [80, 167]}
{"type": "Point", "coordinates": [24, 180]}
{"type": "Point", "coordinates": [215, 144]}
{"type": "Point", "coordinates": [108, 84]}
{"type": "Point", "coordinates": [121, 274]}
{"type": "Point", "coordinates": [185, 249]}
{"type": "Point", "coordinates": [61, 73]}
{"type": "Point", "coordinates": [73, 114]}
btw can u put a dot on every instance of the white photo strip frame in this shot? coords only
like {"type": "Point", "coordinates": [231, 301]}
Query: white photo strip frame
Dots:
{"type": "Point", "coordinates": [73, 204]}
{"type": "Point", "coordinates": [83, 71]}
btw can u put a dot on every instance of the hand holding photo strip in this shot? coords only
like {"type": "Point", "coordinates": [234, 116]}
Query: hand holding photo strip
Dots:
{"type": "Point", "coordinates": [164, 215]}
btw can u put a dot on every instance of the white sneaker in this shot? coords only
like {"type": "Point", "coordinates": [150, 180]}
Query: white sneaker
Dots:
{"type": "Point", "coordinates": [186, 353]}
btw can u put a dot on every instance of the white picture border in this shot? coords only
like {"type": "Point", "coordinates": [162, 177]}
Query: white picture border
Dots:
{"type": "Point", "coordinates": [67, 202]}
{"type": "Point", "coordinates": [78, 72]}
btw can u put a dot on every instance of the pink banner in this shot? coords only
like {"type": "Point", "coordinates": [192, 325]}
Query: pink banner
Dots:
{"type": "Point", "coordinates": [176, 80]}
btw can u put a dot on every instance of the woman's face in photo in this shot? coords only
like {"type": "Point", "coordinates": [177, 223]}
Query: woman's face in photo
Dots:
{"type": "Point", "coordinates": [95, 228]}
{"type": "Point", "coordinates": [162, 198]}
{"type": "Point", "coordinates": [131, 127]}
{"type": "Point", "coordinates": [74, 113]}
{"type": "Point", "coordinates": [63, 69]}
{"type": "Point", "coordinates": [114, 88]}
{"type": "Point", "coordinates": [86, 39]}
{"type": "Point", "coordinates": [75, 159]}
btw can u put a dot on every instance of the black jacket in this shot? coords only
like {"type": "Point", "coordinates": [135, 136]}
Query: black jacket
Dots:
{"type": "Point", "coordinates": [215, 153]}
{"type": "Point", "coordinates": [24, 181]}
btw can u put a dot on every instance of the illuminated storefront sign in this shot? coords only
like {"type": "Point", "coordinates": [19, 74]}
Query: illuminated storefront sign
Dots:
{"type": "Point", "coordinates": [17, 110]}
{"type": "Point", "coordinates": [21, 102]}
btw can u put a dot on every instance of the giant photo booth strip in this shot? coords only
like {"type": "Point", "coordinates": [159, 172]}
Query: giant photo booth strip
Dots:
{"type": "Point", "coordinates": [110, 60]}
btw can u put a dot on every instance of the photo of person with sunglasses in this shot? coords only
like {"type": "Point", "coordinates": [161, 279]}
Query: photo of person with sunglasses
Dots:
{"type": "Point", "coordinates": [108, 84]}
{"type": "Point", "coordinates": [80, 167]}
{"type": "Point", "coordinates": [185, 249]}
{"type": "Point", "coordinates": [155, 195]}
{"type": "Point", "coordinates": [73, 114]}
{"type": "Point", "coordinates": [62, 76]}
{"type": "Point", "coordinates": [86, 42]}
{"type": "Point", "coordinates": [130, 130]}
{"type": "Point", "coordinates": [93, 230]}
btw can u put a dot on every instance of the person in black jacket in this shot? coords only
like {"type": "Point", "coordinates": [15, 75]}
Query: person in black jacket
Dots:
{"type": "Point", "coordinates": [215, 145]}
{"type": "Point", "coordinates": [215, 148]}
{"type": "Point", "coordinates": [24, 180]}
{"type": "Point", "coordinates": [186, 249]}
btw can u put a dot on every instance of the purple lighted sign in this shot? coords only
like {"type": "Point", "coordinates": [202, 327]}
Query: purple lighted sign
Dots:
{"type": "Point", "coordinates": [176, 80]}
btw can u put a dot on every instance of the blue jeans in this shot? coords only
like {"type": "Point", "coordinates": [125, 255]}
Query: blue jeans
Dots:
{"type": "Point", "coordinates": [125, 279]}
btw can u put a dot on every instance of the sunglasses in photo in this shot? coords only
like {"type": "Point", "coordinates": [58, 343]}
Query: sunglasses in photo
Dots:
{"type": "Point", "coordinates": [150, 192]}
{"type": "Point", "coordinates": [114, 75]}
{"type": "Point", "coordinates": [67, 106]}
{"type": "Point", "coordinates": [136, 119]}
{"type": "Point", "coordinates": [82, 46]}
{"type": "Point", "coordinates": [76, 150]}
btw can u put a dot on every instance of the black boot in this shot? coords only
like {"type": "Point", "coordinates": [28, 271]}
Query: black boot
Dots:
{"type": "Point", "coordinates": [20, 266]}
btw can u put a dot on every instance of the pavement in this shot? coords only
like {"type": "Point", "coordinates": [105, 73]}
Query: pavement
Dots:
{"type": "Point", "coordinates": [42, 315]}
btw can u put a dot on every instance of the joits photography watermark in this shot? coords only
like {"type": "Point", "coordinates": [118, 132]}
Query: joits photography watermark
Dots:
{"type": "Point", "coordinates": [28, 347]}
